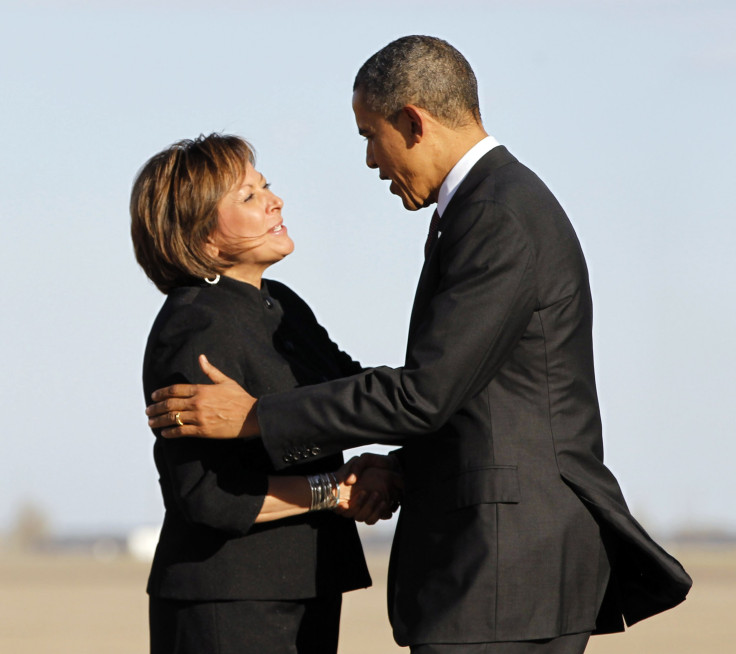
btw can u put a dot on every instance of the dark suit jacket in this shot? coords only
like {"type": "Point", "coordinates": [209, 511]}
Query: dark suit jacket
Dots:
{"type": "Point", "coordinates": [210, 548]}
{"type": "Point", "coordinates": [510, 523]}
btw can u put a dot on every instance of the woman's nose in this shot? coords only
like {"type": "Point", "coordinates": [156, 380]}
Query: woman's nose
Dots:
{"type": "Point", "coordinates": [276, 202]}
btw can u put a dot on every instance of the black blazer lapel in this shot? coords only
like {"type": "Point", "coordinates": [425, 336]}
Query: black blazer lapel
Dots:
{"type": "Point", "coordinates": [429, 277]}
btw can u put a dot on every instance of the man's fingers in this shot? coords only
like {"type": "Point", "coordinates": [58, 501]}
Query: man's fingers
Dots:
{"type": "Point", "coordinates": [358, 465]}
{"type": "Point", "coordinates": [165, 407]}
{"type": "Point", "coordinates": [368, 508]}
{"type": "Point", "coordinates": [167, 419]}
{"type": "Point", "coordinates": [381, 513]}
{"type": "Point", "coordinates": [177, 390]}
{"type": "Point", "coordinates": [215, 374]}
{"type": "Point", "coordinates": [180, 432]}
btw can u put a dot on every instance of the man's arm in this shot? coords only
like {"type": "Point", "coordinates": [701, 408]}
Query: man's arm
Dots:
{"type": "Point", "coordinates": [484, 301]}
{"type": "Point", "coordinates": [465, 327]}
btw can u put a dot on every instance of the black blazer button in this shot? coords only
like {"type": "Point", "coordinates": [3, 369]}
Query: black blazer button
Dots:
{"type": "Point", "coordinates": [268, 302]}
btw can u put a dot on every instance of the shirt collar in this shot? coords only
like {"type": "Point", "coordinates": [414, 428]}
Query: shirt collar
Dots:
{"type": "Point", "coordinates": [461, 169]}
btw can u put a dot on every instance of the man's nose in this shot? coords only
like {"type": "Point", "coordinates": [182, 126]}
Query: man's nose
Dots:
{"type": "Point", "coordinates": [369, 159]}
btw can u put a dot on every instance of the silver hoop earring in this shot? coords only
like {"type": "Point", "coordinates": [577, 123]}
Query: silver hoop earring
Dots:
{"type": "Point", "coordinates": [212, 281]}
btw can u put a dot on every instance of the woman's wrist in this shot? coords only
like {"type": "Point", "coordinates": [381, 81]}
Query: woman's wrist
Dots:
{"type": "Point", "coordinates": [325, 491]}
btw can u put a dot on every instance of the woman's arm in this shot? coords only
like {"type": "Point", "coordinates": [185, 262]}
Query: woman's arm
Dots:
{"type": "Point", "coordinates": [372, 496]}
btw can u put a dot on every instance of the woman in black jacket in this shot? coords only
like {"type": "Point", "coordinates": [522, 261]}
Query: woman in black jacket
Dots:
{"type": "Point", "coordinates": [249, 560]}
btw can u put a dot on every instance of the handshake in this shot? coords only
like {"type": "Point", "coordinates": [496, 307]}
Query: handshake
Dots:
{"type": "Point", "coordinates": [367, 488]}
{"type": "Point", "coordinates": [370, 488]}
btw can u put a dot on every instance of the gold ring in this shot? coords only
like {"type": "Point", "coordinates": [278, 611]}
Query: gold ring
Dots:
{"type": "Point", "coordinates": [177, 419]}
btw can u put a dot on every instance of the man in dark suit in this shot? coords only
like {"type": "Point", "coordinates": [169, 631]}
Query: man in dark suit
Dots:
{"type": "Point", "coordinates": [513, 536]}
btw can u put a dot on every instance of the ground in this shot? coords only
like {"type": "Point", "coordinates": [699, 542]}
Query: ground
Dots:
{"type": "Point", "coordinates": [79, 605]}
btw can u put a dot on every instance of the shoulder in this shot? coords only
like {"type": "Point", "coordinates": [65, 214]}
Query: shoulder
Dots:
{"type": "Point", "coordinates": [193, 313]}
{"type": "Point", "coordinates": [289, 300]}
{"type": "Point", "coordinates": [184, 312]}
{"type": "Point", "coordinates": [193, 321]}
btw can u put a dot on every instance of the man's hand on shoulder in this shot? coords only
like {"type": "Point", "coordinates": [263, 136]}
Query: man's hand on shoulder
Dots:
{"type": "Point", "coordinates": [222, 409]}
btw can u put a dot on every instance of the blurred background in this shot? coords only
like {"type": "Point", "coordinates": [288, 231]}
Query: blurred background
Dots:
{"type": "Point", "coordinates": [624, 108]}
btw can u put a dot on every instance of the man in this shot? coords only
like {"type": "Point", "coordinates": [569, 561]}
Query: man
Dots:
{"type": "Point", "coordinates": [513, 536]}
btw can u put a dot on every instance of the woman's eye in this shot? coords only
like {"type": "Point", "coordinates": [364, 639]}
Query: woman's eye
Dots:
{"type": "Point", "coordinates": [265, 187]}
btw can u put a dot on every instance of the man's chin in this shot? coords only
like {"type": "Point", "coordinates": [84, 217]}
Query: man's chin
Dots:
{"type": "Point", "coordinates": [409, 204]}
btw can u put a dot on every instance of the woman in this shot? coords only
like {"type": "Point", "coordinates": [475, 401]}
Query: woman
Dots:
{"type": "Point", "coordinates": [249, 560]}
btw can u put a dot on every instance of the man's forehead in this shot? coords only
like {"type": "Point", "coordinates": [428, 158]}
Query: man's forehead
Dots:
{"type": "Point", "coordinates": [367, 121]}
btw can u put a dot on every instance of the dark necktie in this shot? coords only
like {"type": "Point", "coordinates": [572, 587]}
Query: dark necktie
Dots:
{"type": "Point", "coordinates": [434, 225]}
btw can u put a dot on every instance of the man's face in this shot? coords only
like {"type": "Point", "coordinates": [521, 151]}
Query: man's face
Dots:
{"type": "Point", "coordinates": [392, 149]}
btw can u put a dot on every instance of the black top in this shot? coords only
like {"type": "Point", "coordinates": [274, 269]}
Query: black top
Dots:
{"type": "Point", "coordinates": [210, 547]}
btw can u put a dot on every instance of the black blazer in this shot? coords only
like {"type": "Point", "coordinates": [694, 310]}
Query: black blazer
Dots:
{"type": "Point", "coordinates": [210, 547]}
{"type": "Point", "coordinates": [511, 527]}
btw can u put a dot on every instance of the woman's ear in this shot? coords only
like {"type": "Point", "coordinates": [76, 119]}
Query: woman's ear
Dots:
{"type": "Point", "coordinates": [211, 249]}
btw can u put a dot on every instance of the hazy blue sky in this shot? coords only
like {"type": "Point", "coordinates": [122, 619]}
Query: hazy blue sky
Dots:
{"type": "Point", "coordinates": [625, 109]}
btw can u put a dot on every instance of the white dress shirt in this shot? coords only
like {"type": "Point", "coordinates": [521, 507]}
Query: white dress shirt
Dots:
{"type": "Point", "coordinates": [461, 169]}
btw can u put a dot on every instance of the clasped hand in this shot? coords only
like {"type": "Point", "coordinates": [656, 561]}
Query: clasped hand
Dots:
{"type": "Point", "coordinates": [371, 484]}
{"type": "Point", "coordinates": [371, 490]}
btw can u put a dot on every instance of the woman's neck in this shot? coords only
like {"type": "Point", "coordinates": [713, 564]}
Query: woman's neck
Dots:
{"type": "Point", "coordinates": [248, 274]}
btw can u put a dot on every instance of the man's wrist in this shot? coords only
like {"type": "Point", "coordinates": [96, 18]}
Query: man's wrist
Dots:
{"type": "Point", "coordinates": [251, 428]}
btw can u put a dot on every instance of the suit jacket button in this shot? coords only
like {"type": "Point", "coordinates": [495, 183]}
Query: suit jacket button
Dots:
{"type": "Point", "coordinates": [268, 302]}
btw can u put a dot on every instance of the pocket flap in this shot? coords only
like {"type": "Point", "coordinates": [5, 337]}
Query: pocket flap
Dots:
{"type": "Point", "coordinates": [494, 484]}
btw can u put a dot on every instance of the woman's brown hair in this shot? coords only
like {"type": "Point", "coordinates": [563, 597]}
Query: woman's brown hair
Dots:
{"type": "Point", "coordinates": [173, 206]}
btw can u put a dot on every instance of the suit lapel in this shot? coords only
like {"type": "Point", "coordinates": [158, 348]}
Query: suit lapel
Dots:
{"type": "Point", "coordinates": [429, 278]}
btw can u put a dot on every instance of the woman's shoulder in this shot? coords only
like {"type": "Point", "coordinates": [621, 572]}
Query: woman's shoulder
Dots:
{"type": "Point", "coordinates": [290, 301]}
{"type": "Point", "coordinates": [184, 305]}
{"type": "Point", "coordinates": [189, 310]}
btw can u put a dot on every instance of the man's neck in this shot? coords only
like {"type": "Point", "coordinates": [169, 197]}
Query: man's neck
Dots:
{"type": "Point", "coordinates": [452, 146]}
{"type": "Point", "coordinates": [460, 170]}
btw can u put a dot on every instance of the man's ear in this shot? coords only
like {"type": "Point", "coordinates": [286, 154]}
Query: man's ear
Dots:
{"type": "Point", "coordinates": [416, 121]}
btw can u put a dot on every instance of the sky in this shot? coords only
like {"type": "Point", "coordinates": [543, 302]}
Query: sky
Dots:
{"type": "Point", "coordinates": [625, 109]}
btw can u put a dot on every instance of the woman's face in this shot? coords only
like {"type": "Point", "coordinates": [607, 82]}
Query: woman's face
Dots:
{"type": "Point", "coordinates": [250, 232]}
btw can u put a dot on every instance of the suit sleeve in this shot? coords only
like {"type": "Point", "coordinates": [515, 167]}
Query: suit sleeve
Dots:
{"type": "Point", "coordinates": [483, 301]}
{"type": "Point", "coordinates": [211, 483]}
